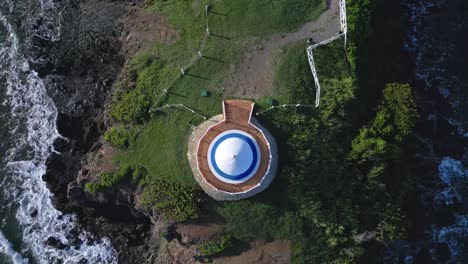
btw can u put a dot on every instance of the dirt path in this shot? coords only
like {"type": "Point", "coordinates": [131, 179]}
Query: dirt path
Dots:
{"type": "Point", "coordinates": [254, 76]}
{"type": "Point", "coordinates": [274, 252]}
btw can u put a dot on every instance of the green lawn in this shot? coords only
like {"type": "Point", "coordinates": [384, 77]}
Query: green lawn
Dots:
{"type": "Point", "coordinates": [162, 144]}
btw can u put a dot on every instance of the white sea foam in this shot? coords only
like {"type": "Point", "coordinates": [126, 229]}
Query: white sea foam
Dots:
{"type": "Point", "coordinates": [51, 24]}
{"type": "Point", "coordinates": [454, 236]}
{"type": "Point", "coordinates": [455, 175]}
{"type": "Point", "coordinates": [431, 59]}
{"type": "Point", "coordinates": [34, 125]}
{"type": "Point", "coordinates": [7, 249]}
{"type": "Point", "coordinates": [432, 71]}
{"type": "Point", "coordinates": [448, 196]}
{"type": "Point", "coordinates": [451, 171]}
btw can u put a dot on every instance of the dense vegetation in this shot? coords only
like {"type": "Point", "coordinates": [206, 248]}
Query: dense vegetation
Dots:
{"type": "Point", "coordinates": [337, 169]}
{"type": "Point", "coordinates": [119, 136]}
{"type": "Point", "coordinates": [336, 181]}
{"type": "Point", "coordinates": [359, 14]}
{"type": "Point", "coordinates": [108, 179]}
{"type": "Point", "coordinates": [176, 202]}
{"type": "Point", "coordinates": [216, 246]}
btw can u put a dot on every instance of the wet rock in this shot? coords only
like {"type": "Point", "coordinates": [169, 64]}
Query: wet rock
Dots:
{"type": "Point", "coordinates": [61, 145]}
{"type": "Point", "coordinates": [434, 9]}
{"type": "Point", "coordinates": [55, 242]}
{"type": "Point", "coordinates": [453, 146]}
{"type": "Point", "coordinates": [443, 252]}
{"type": "Point", "coordinates": [69, 126]}
{"type": "Point", "coordinates": [423, 257]}
{"type": "Point", "coordinates": [75, 193]}
{"type": "Point", "coordinates": [444, 217]}
{"type": "Point", "coordinates": [83, 261]}
{"type": "Point", "coordinates": [80, 70]}
{"type": "Point", "coordinates": [33, 213]}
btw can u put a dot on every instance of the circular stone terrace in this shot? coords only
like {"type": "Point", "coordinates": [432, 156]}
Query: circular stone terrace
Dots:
{"type": "Point", "coordinates": [231, 155]}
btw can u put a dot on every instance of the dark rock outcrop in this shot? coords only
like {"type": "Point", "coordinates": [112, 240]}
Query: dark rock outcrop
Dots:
{"type": "Point", "coordinates": [80, 70]}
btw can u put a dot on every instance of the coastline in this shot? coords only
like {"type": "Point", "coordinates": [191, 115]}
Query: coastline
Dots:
{"type": "Point", "coordinates": [83, 94]}
{"type": "Point", "coordinates": [80, 70]}
{"type": "Point", "coordinates": [110, 213]}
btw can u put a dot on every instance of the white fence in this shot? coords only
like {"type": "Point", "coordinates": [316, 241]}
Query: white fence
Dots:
{"type": "Point", "coordinates": [180, 106]}
{"type": "Point", "coordinates": [343, 33]}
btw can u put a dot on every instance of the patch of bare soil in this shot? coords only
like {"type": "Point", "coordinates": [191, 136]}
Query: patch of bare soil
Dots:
{"type": "Point", "coordinates": [254, 76]}
{"type": "Point", "coordinates": [195, 233]}
{"type": "Point", "coordinates": [141, 29]}
{"type": "Point", "coordinates": [173, 252]}
{"type": "Point", "coordinates": [261, 252]}
{"type": "Point", "coordinates": [101, 160]}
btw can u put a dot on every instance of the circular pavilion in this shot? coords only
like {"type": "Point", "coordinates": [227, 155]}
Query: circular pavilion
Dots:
{"type": "Point", "coordinates": [231, 155]}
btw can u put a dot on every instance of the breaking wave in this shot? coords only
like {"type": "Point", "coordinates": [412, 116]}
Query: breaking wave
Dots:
{"type": "Point", "coordinates": [433, 54]}
{"type": "Point", "coordinates": [48, 235]}
{"type": "Point", "coordinates": [7, 249]}
{"type": "Point", "coordinates": [455, 176]}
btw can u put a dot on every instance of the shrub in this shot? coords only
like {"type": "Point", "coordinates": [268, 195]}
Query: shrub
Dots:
{"type": "Point", "coordinates": [131, 106]}
{"type": "Point", "coordinates": [177, 202]}
{"type": "Point", "coordinates": [119, 137]}
{"type": "Point", "coordinates": [358, 14]}
{"type": "Point", "coordinates": [350, 256]}
{"type": "Point", "coordinates": [91, 187]}
{"type": "Point", "coordinates": [216, 246]}
{"type": "Point", "coordinates": [108, 179]}
{"type": "Point", "coordinates": [367, 146]}
{"type": "Point", "coordinates": [399, 101]}
{"type": "Point", "coordinates": [394, 121]}
{"type": "Point", "coordinates": [391, 225]}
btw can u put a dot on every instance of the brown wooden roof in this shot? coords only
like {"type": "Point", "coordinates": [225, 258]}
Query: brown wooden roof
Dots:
{"type": "Point", "coordinates": [237, 115]}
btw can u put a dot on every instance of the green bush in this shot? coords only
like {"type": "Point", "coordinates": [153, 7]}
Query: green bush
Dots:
{"type": "Point", "coordinates": [91, 187]}
{"type": "Point", "coordinates": [394, 121]}
{"type": "Point", "coordinates": [177, 202]}
{"type": "Point", "coordinates": [216, 246]}
{"type": "Point", "coordinates": [358, 14]}
{"type": "Point", "coordinates": [108, 179]}
{"type": "Point", "coordinates": [399, 101]}
{"type": "Point", "coordinates": [391, 225]}
{"type": "Point", "coordinates": [367, 147]}
{"type": "Point", "coordinates": [119, 137]}
{"type": "Point", "coordinates": [350, 256]}
{"type": "Point", "coordinates": [131, 106]}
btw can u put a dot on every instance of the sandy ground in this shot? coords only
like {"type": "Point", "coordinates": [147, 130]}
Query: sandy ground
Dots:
{"type": "Point", "coordinates": [254, 76]}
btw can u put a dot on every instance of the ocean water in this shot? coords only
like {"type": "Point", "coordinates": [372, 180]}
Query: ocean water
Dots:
{"type": "Point", "coordinates": [28, 218]}
{"type": "Point", "coordinates": [438, 40]}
